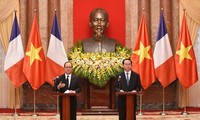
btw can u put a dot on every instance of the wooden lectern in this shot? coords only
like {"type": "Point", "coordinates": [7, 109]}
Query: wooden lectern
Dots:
{"type": "Point", "coordinates": [129, 103]}
{"type": "Point", "coordinates": [66, 102]}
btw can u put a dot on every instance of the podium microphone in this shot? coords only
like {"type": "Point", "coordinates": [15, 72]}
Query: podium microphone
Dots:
{"type": "Point", "coordinates": [119, 78]}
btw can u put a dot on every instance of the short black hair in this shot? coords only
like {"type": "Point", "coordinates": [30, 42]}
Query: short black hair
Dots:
{"type": "Point", "coordinates": [127, 59]}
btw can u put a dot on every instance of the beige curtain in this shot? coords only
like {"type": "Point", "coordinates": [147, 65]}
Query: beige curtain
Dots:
{"type": "Point", "coordinates": [194, 91]}
{"type": "Point", "coordinates": [7, 8]}
{"type": "Point", "coordinates": [192, 11]}
{"type": "Point", "coordinates": [192, 15]}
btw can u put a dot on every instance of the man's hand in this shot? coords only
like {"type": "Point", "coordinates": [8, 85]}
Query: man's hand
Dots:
{"type": "Point", "coordinates": [72, 91]}
{"type": "Point", "coordinates": [60, 85]}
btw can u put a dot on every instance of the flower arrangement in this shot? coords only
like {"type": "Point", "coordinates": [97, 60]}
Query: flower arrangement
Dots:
{"type": "Point", "coordinates": [97, 67]}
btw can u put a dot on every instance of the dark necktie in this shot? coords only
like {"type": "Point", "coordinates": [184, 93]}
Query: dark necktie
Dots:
{"type": "Point", "coordinates": [127, 79]}
{"type": "Point", "coordinates": [67, 81]}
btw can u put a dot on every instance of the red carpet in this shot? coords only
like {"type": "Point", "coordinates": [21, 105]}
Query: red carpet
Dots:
{"type": "Point", "coordinates": [194, 114]}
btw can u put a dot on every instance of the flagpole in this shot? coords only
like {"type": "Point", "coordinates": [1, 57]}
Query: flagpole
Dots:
{"type": "Point", "coordinates": [57, 106]}
{"type": "Point", "coordinates": [140, 113]}
{"type": "Point", "coordinates": [163, 112]}
{"type": "Point", "coordinates": [34, 114]}
{"type": "Point", "coordinates": [185, 107]}
{"type": "Point", "coordinates": [15, 114]}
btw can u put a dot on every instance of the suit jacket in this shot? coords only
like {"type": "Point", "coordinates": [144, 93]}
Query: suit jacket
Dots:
{"type": "Point", "coordinates": [74, 85]}
{"type": "Point", "coordinates": [121, 84]}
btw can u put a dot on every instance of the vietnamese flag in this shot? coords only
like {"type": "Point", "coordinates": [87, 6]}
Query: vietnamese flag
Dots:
{"type": "Point", "coordinates": [185, 60]}
{"type": "Point", "coordinates": [34, 61]}
{"type": "Point", "coordinates": [142, 56]}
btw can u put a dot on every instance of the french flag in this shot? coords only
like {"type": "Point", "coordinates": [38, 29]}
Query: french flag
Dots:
{"type": "Point", "coordinates": [56, 55]}
{"type": "Point", "coordinates": [14, 58]}
{"type": "Point", "coordinates": [163, 56]}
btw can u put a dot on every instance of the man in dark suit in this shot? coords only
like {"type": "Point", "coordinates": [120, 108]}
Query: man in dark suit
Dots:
{"type": "Point", "coordinates": [126, 81]}
{"type": "Point", "coordinates": [68, 83]}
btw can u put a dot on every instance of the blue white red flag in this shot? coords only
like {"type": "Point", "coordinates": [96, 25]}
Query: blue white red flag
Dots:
{"type": "Point", "coordinates": [14, 58]}
{"type": "Point", "coordinates": [163, 56]}
{"type": "Point", "coordinates": [56, 55]}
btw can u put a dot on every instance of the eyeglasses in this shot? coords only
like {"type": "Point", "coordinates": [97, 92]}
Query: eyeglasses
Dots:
{"type": "Point", "coordinates": [127, 64]}
{"type": "Point", "coordinates": [68, 67]}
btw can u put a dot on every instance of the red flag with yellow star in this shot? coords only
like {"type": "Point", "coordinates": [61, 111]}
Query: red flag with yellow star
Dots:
{"type": "Point", "coordinates": [185, 60]}
{"type": "Point", "coordinates": [142, 56]}
{"type": "Point", "coordinates": [34, 61]}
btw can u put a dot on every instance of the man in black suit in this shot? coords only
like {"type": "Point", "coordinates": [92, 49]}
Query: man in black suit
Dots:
{"type": "Point", "coordinates": [126, 81]}
{"type": "Point", "coordinates": [68, 83]}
